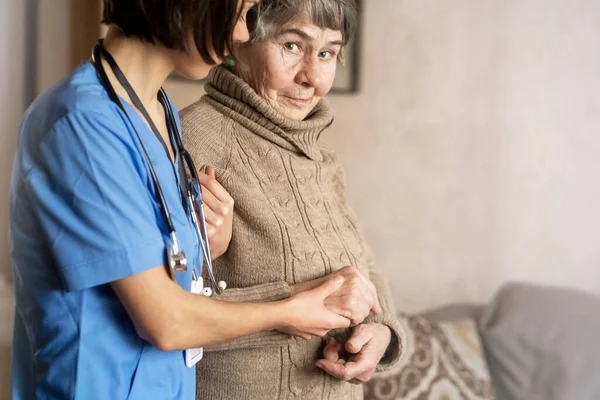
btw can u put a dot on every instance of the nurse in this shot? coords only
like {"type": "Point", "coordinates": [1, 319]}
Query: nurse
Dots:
{"type": "Point", "coordinates": [98, 315]}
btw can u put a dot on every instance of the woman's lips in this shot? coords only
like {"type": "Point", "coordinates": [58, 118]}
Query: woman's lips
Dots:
{"type": "Point", "coordinates": [300, 101]}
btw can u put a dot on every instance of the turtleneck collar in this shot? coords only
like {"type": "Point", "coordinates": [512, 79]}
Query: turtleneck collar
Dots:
{"type": "Point", "coordinates": [239, 101]}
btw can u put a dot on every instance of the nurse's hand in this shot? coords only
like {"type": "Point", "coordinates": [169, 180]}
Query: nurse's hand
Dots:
{"type": "Point", "coordinates": [304, 314]}
{"type": "Point", "coordinates": [218, 209]}
{"type": "Point", "coordinates": [355, 360]}
{"type": "Point", "coordinates": [356, 298]}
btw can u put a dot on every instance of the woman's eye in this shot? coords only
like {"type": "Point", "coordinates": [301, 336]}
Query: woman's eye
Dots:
{"type": "Point", "coordinates": [325, 55]}
{"type": "Point", "coordinates": [291, 46]}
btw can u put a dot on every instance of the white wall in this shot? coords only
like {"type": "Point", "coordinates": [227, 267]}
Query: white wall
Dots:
{"type": "Point", "coordinates": [472, 152]}
{"type": "Point", "coordinates": [54, 41]}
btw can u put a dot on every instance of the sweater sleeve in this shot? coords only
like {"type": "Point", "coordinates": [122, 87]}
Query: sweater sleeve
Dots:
{"type": "Point", "coordinates": [389, 316]}
{"type": "Point", "coordinates": [205, 138]}
{"type": "Point", "coordinates": [266, 292]}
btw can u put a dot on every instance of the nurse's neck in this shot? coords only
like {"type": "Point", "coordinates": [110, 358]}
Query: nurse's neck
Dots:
{"type": "Point", "coordinates": [145, 65]}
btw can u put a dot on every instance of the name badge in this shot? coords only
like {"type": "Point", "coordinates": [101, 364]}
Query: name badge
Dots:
{"type": "Point", "coordinates": [192, 356]}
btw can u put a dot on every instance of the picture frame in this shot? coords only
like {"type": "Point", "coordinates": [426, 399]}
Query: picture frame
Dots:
{"type": "Point", "coordinates": [347, 79]}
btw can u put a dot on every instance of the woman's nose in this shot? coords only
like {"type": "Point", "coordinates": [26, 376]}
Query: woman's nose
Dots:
{"type": "Point", "coordinates": [310, 73]}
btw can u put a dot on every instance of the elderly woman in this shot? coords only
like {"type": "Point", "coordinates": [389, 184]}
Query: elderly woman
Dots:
{"type": "Point", "coordinates": [259, 127]}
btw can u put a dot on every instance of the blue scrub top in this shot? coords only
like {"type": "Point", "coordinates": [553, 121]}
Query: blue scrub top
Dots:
{"type": "Point", "coordinates": [84, 213]}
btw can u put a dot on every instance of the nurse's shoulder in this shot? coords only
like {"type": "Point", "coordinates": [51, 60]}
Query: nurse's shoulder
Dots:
{"type": "Point", "coordinates": [81, 93]}
{"type": "Point", "coordinates": [77, 104]}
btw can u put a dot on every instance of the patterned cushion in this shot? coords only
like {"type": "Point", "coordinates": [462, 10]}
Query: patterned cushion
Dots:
{"type": "Point", "coordinates": [444, 361]}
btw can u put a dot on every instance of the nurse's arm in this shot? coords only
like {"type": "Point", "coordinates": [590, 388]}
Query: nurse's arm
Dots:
{"type": "Point", "coordinates": [171, 318]}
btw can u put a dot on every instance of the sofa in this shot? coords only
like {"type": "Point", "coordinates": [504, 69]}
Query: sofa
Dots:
{"type": "Point", "coordinates": [530, 343]}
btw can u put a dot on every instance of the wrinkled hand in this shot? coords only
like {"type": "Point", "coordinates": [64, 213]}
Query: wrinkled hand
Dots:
{"type": "Point", "coordinates": [364, 349]}
{"type": "Point", "coordinates": [356, 298]}
{"type": "Point", "coordinates": [305, 316]}
{"type": "Point", "coordinates": [218, 210]}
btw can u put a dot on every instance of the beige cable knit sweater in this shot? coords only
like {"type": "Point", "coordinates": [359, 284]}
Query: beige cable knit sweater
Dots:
{"type": "Point", "coordinates": [292, 223]}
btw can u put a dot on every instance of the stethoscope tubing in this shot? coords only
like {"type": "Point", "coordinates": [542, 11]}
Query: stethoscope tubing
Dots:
{"type": "Point", "coordinates": [191, 187]}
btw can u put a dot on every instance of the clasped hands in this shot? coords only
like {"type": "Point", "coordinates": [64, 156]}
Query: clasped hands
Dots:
{"type": "Point", "coordinates": [353, 360]}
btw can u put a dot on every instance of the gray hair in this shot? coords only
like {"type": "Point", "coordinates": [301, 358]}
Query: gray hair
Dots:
{"type": "Point", "coordinates": [272, 15]}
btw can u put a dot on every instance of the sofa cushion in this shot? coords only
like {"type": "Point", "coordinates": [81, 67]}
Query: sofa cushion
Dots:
{"type": "Point", "coordinates": [542, 343]}
{"type": "Point", "coordinates": [455, 312]}
{"type": "Point", "coordinates": [443, 361]}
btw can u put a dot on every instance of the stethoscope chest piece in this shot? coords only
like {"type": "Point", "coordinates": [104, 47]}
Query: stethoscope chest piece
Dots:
{"type": "Point", "coordinates": [176, 259]}
{"type": "Point", "coordinates": [177, 262]}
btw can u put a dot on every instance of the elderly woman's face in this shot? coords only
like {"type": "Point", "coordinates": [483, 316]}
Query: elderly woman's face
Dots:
{"type": "Point", "coordinates": [296, 68]}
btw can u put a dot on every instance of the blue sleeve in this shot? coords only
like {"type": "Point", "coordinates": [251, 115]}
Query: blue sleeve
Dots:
{"type": "Point", "coordinates": [92, 196]}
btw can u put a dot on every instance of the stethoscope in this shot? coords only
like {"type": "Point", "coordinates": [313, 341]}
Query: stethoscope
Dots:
{"type": "Point", "coordinates": [191, 191]}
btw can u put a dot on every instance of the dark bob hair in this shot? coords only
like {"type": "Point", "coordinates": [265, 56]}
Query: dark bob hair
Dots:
{"type": "Point", "coordinates": [167, 22]}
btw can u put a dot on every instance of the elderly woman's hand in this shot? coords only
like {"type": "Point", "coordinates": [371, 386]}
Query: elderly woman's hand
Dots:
{"type": "Point", "coordinates": [218, 209]}
{"type": "Point", "coordinates": [355, 360]}
{"type": "Point", "coordinates": [355, 300]}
